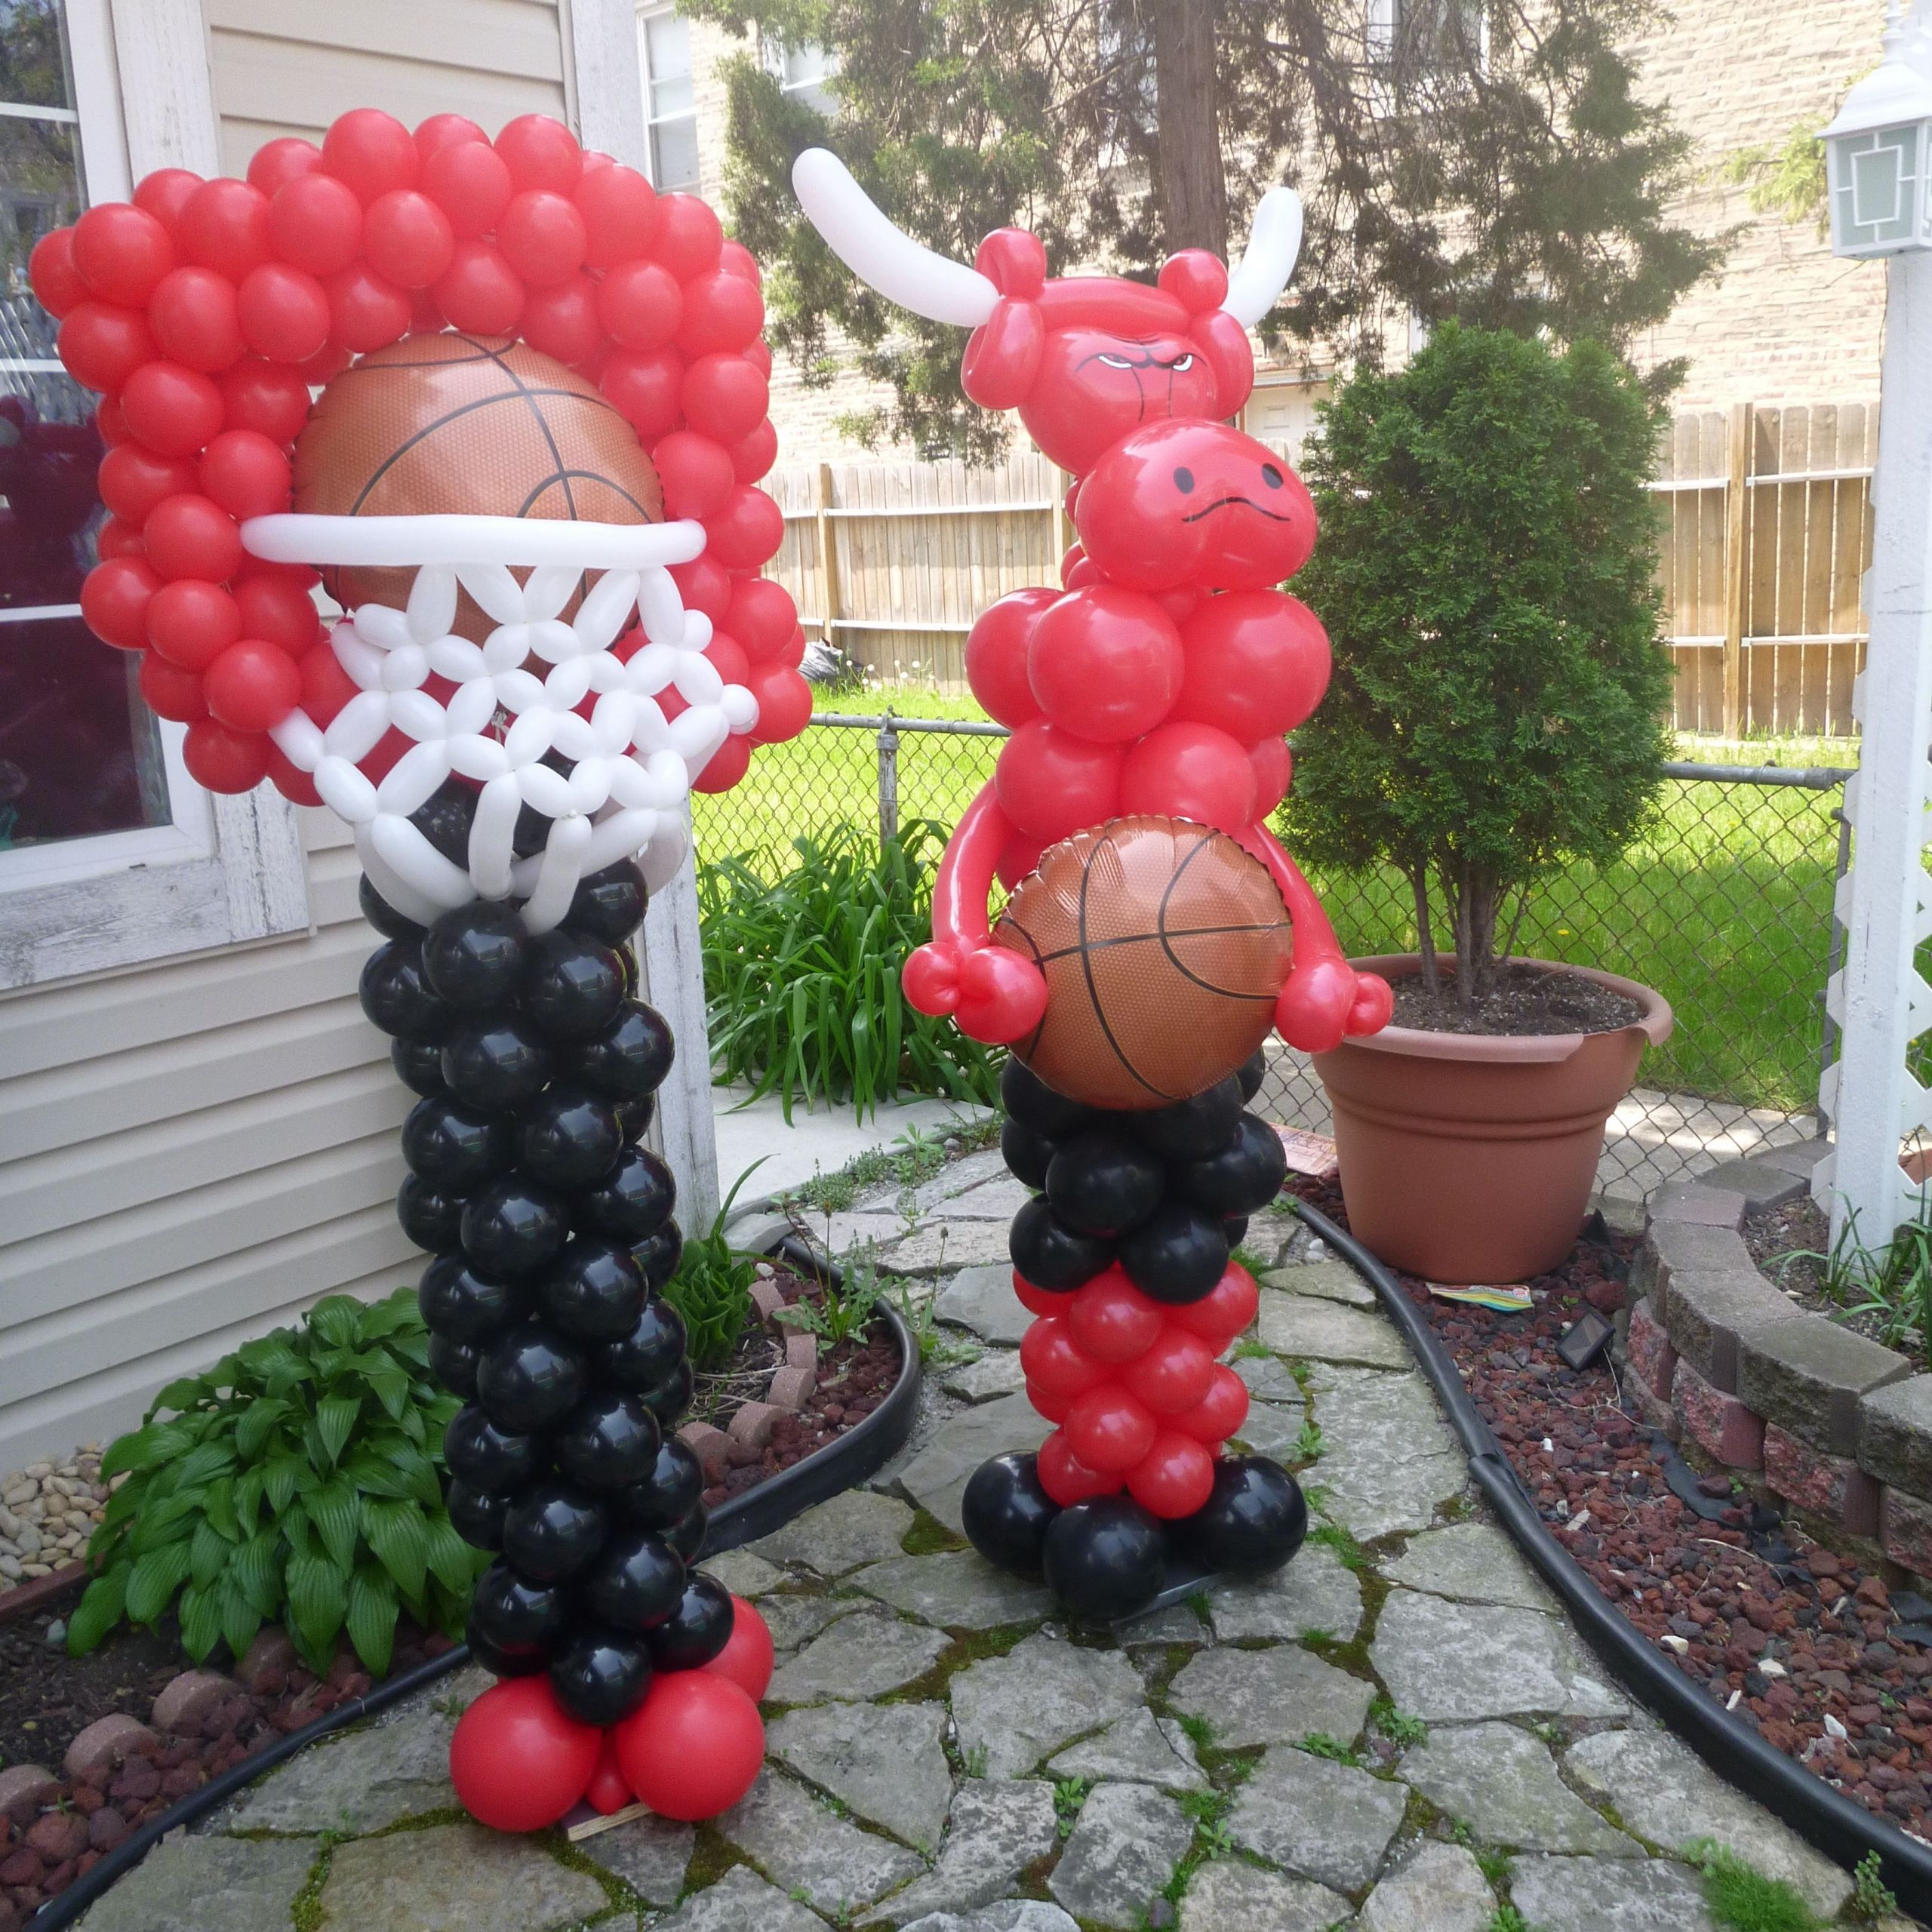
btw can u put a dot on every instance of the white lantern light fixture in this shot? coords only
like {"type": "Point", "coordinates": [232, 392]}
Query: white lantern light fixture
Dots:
{"type": "Point", "coordinates": [1878, 151]}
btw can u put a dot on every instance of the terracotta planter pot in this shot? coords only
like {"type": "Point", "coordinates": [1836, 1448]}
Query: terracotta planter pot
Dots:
{"type": "Point", "coordinates": [1467, 1157]}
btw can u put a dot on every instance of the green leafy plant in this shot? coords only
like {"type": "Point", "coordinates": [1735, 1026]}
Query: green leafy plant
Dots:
{"type": "Point", "coordinates": [1199, 1731]}
{"type": "Point", "coordinates": [1319, 1744]}
{"type": "Point", "coordinates": [1506, 1918]}
{"type": "Point", "coordinates": [1871, 1898]}
{"type": "Point", "coordinates": [1070, 1794]}
{"type": "Point", "coordinates": [1787, 180]}
{"type": "Point", "coordinates": [842, 1312]}
{"type": "Point", "coordinates": [300, 1479]}
{"type": "Point", "coordinates": [1309, 1445]}
{"type": "Point", "coordinates": [1738, 1895]}
{"type": "Point", "coordinates": [1395, 1725]}
{"type": "Point", "coordinates": [802, 975]}
{"type": "Point", "coordinates": [1891, 1286]}
{"type": "Point", "coordinates": [712, 1288]}
{"type": "Point", "coordinates": [1344, 1544]}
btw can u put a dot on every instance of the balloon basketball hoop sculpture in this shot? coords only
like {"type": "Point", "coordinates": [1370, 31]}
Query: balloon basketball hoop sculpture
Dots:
{"type": "Point", "coordinates": [1156, 931]}
{"type": "Point", "coordinates": [530, 481]}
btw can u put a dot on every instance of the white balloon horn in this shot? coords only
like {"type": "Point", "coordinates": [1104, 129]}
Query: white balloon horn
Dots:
{"type": "Point", "coordinates": [1255, 284]}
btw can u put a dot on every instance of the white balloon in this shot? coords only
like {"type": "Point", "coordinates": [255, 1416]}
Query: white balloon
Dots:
{"type": "Point", "coordinates": [740, 707]}
{"type": "Point", "coordinates": [356, 730]}
{"type": "Point", "coordinates": [298, 739]}
{"type": "Point", "coordinates": [395, 890]}
{"type": "Point", "coordinates": [413, 779]}
{"type": "Point", "coordinates": [415, 859]}
{"type": "Point", "coordinates": [558, 876]}
{"type": "Point", "coordinates": [432, 608]}
{"type": "Point", "coordinates": [345, 791]}
{"type": "Point", "coordinates": [492, 831]}
{"type": "Point", "coordinates": [662, 856]}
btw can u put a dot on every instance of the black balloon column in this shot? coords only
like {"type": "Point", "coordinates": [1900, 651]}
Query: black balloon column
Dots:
{"type": "Point", "coordinates": [552, 1232]}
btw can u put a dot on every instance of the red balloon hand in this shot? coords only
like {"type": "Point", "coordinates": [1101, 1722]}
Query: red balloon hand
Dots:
{"type": "Point", "coordinates": [993, 993]}
{"type": "Point", "coordinates": [930, 978]}
{"type": "Point", "coordinates": [1312, 1011]}
{"type": "Point", "coordinates": [1374, 1003]}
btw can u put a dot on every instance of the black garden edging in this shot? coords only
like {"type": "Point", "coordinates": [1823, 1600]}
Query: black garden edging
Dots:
{"type": "Point", "coordinates": [1839, 1826]}
{"type": "Point", "coordinates": [861, 1452]}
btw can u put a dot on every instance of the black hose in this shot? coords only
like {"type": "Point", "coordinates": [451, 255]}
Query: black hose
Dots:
{"type": "Point", "coordinates": [1839, 1826]}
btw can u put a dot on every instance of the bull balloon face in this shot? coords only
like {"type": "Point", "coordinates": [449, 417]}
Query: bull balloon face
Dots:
{"type": "Point", "coordinates": [1094, 387]}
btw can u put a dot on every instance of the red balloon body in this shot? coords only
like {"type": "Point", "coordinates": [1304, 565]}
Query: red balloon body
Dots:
{"type": "Point", "coordinates": [1190, 772]}
{"type": "Point", "coordinates": [561, 320]}
{"type": "Point", "coordinates": [1038, 1301]}
{"type": "Point", "coordinates": [193, 314]}
{"type": "Point", "coordinates": [784, 703]}
{"type": "Point", "coordinates": [188, 536]}
{"type": "Point", "coordinates": [134, 478]}
{"type": "Point", "coordinates": [1273, 766]}
{"type": "Point", "coordinates": [1175, 1477]}
{"type": "Point", "coordinates": [542, 154]}
{"type": "Point", "coordinates": [55, 280]}
{"type": "Point", "coordinates": [1108, 1430]}
{"type": "Point", "coordinates": [645, 387]}
{"type": "Point", "coordinates": [1104, 663]}
{"type": "Point", "coordinates": [996, 655]}
{"type": "Point", "coordinates": [1258, 663]}
{"type": "Point", "coordinates": [696, 473]}
{"type": "Point", "coordinates": [172, 409]}
{"type": "Point", "coordinates": [517, 1763]}
{"type": "Point", "coordinates": [224, 225]}
{"type": "Point", "coordinates": [543, 236]}
{"type": "Point", "coordinates": [315, 223]}
{"type": "Point", "coordinates": [283, 312]}
{"type": "Point", "coordinates": [121, 252]}
{"type": "Point", "coordinates": [469, 182]}
{"type": "Point", "coordinates": [1051, 782]}
{"type": "Point", "coordinates": [1223, 1312]}
{"type": "Point", "coordinates": [640, 304]}
{"type": "Point", "coordinates": [1112, 1320]}
{"type": "Point", "coordinates": [619, 210]}
{"type": "Point", "coordinates": [407, 238]}
{"type": "Point", "coordinates": [1172, 1375]}
{"type": "Point", "coordinates": [748, 1656]}
{"type": "Point", "coordinates": [223, 760]}
{"type": "Point", "coordinates": [1066, 1479]}
{"type": "Point", "coordinates": [1052, 1407]}
{"type": "Point", "coordinates": [693, 1747]}
{"type": "Point", "coordinates": [191, 622]}
{"type": "Point", "coordinates": [264, 396]}
{"type": "Point", "coordinates": [760, 615]}
{"type": "Point", "coordinates": [252, 686]}
{"type": "Point", "coordinates": [690, 236]}
{"type": "Point", "coordinates": [1053, 1360]}
{"type": "Point", "coordinates": [372, 153]}
{"type": "Point", "coordinates": [279, 161]}
{"type": "Point", "coordinates": [607, 1791]}
{"type": "Point", "coordinates": [1220, 1412]}
{"type": "Point", "coordinates": [164, 193]}
{"type": "Point", "coordinates": [103, 345]}
{"type": "Point", "coordinates": [246, 474]}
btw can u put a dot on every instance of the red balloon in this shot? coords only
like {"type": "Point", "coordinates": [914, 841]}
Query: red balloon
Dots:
{"type": "Point", "coordinates": [1274, 766]}
{"type": "Point", "coordinates": [723, 313]}
{"type": "Point", "coordinates": [725, 397]}
{"type": "Point", "coordinates": [561, 320]}
{"type": "Point", "coordinates": [516, 1761]}
{"type": "Point", "coordinates": [1220, 1412]}
{"type": "Point", "coordinates": [193, 315]}
{"type": "Point", "coordinates": [1065, 1478]}
{"type": "Point", "coordinates": [297, 787]}
{"type": "Point", "coordinates": [57, 283]}
{"type": "Point", "coordinates": [191, 622]}
{"type": "Point", "coordinates": [326, 686]}
{"type": "Point", "coordinates": [693, 1747]}
{"type": "Point", "coordinates": [725, 766]}
{"type": "Point", "coordinates": [645, 387]}
{"type": "Point", "coordinates": [171, 692]}
{"type": "Point", "coordinates": [479, 290]}
{"type": "Point", "coordinates": [1190, 772]}
{"type": "Point", "coordinates": [759, 356]}
{"type": "Point", "coordinates": [173, 410]}
{"type": "Point", "coordinates": [366, 310]}
{"type": "Point", "coordinates": [164, 193]}
{"type": "Point", "coordinates": [1051, 782]}
{"type": "Point", "coordinates": [1038, 1301]}
{"type": "Point", "coordinates": [111, 419]}
{"type": "Point", "coordinates": [542, 236]}
{"type": "Point", "coordinates": [704, 584]}
{"type": "Point", "coordinates": [1112, 1320]}
{"type": "Point", "coordinates": [252, 685]}
{"type": "Point", "coordinates": [541, 153]}
{"type": "Point", "coordinates": [1053, 1408]}
{"type": "Point", "coordinates": [752, 455]}
{"type": "Point", "coordinates": [1175, 1477]}
{"type": "Point", "coordinates": [1019, 856]}
{"type": "Point", "coordinates": [996, 655]}
{"type": "Point", "coordinates": [760, 615]}
{"type": "Point", "coordinates": [118, 538]}
{"type": "Point", "coordinates": [469, 181]}
{"type": "Point", "coordinates": [747, 531]}
{"type": "Point", "coordinates": [1050, 1356]}
{"type": "Point", "coordinates": [121, 252]}
{"type": "Point", "coordinates": [283, 312]}
{"type": "Point", "coordinates": [277, 608]}
{"type": "Point", "coordinates": [696, 473]}
{"type": "Point", "coordinates": [224, 225]}
{"type": "Point", "coordinates": [445, 130]}
{"type": "Point", "coordinates": [1105, 662]}
{"type": "Point", "coordinates": [640, 304]}
{"type": "Point", "coordinates": [1109, 1431]}
{"type": "Point", "coordinates": [407, 238]}
{"type": "Point", "coordinates": [619, 210]}
{"type": "Point", "coordinates": [188, 536]}
{"type": "Point", "coordinates": [327, 364]}
{"type": "Point", "coordinates": [134, 478]}
{"type": "Point", "coordinates": [315, 223]}
{"type": "Point", "coordinates": [1173, 1375]}
{"type": "Point", "coordinates": [266, 397]}
{"type": "Point", "coordinates": [689, 235]}
{"type": "Point", "coordinates": [734, 258]}
{"type": "Point", "coordinates": [784, 703]}
{"type": "Point", "coordinates": [246, 474]}
{"type": "Point", "coordinates": [282, 160]}
{"type": "Point", "coordinates": [371, 152]}
{"type": "Point", "coordinates": [1258, 663]}
{"type": "Point", "coordinates": [1221, 1314]}
{"type": "Point", "coordinates": [607, 1791]}
{"type": "Point", "coordinates": [103, 345]}
{"type": "Point", "coordinates": [115, 598]}
{"type": "Point", "coordinates": [746, 1659]}
{"type": "Point", "coordinates": [219, 760]}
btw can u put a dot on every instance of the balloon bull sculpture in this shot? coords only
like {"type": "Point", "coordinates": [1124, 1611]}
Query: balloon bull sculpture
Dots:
{"type": "Point", "coordinates": [1156, 931]}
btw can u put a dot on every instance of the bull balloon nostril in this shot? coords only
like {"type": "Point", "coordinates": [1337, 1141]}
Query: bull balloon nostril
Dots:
{"type": "Point", "coordinates": [1184, 480]}
{"type": "Point", "coordinates": [1270, 476]}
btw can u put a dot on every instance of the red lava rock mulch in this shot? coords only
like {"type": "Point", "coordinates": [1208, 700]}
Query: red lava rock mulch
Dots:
{"type": "Point", "coordinates": [1802, 1642]}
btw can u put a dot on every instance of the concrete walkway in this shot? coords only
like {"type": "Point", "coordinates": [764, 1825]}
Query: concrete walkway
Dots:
{"type": "Point", "coordinates": [1397, 1734]}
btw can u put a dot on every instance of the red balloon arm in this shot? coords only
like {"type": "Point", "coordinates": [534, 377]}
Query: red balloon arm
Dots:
{"type": "Point", "coordinates": [964, 885]}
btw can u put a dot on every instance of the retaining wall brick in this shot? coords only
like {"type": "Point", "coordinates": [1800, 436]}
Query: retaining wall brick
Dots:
{"type": "Point", "coordinates": [1690, 1204]}
{"type": "Point", "coordinates": [1717, 1421]}
{"type": "Point", "coordinates": [1760, 1182]}
{"type": "Point", "coordinates": [1834, 1486]}
{"type": "Point", "coordinates": [1705, 1312]}
{"type": "Point", "coordinates": [1904, 1528]}
{"type": "Point", "coordinates": [1806, 1375]}
{"type": "Point", "coordinates": [1650, 1350]}
{"type": "Point", "coordinates": [1895, 1433]}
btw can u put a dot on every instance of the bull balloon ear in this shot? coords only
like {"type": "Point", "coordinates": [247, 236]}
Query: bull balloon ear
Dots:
{"type": "Point", "coordinates": [1003, 356]}
{"type": "Point", "coordinates": [1273, 244]}
{"type": "Point", "coordinates": [1223, 343]}
{"type": "Point", "coordinates": [1015, 261]}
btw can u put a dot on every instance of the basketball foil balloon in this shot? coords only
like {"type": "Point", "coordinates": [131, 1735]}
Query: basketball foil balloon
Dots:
{"type": "Point", "coordinates": [1164, 947]}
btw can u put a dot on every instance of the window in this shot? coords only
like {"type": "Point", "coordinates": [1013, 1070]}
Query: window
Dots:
{"type": "Point", "coordinates": [664, 46]}
{"type": "Point", "coordinates": [803, 72]}
{"type": "Point", "coordinates": [1427, 36]}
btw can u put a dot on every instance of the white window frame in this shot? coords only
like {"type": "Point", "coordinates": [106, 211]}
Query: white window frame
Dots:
{"type": "Point", "coordinates": [773, 52]}
{"type": "Point", "coordinates": [226, 870]}
{"type": "Point", "coordinates": [654, 121]}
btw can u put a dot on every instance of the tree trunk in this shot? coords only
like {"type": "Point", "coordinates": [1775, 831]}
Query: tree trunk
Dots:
{"type": "Point", "coordinates": [1193, 189]}
{"type": "Point", "coordinates": [1431, 978]}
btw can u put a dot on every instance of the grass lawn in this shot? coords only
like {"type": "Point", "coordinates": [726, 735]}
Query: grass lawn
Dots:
{"type": "Point", "coordinates": [1724, 906]}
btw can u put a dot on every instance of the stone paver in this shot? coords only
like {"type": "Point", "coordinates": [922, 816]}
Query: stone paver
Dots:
{"type": "Point", "coordinates": [1268, 1380]}
{"type": "Point", "coordinates": [1333, 1281]}
{"type": "Point", "coordinates": [1229, 1895]}
{"type": "Point", "coordinates": [855, 1528]}
{"type": "Point", "coordinates": [361, 1781]}
{"type": "Point", "coordinates": [1607, 1895]}
{"type": "Point", "coordinates": [1315, 1590]}
{"type": "Point", "coordinates": [937, 1474]}
{"type": "Point", "coordinates": [1471, 1563]}
{"type": "Point", "coordinates": [1138, 1749]}
{"type": "Point", "coordinates": [864, 1655]}
{"type": "Point", "coordinates": [743, 1574]}
{"type": "Point", "coordinates": [1043, 1693]}
{"type": "Point", "coordinates": [1269, 1429]}
{"type": "Point", "coordinates": [649, 1854]}
{"type": "Point", "coordinates": [996, 1372]}
{"type": "Point", "coordinates": [453, 1878]}
{"type": "Point", "coordinates": [959, 1177]}
{"type": "Point", "coordinates": [885, 1762]}
{"type": "Point", "coordinates": [998, 1200]}
{"type": "Point", "coordinates": [1318, 1330]}
{"type": "Point", "coordinates": [1445, 1666]}
{"type": "Point", "coordinates": [740, 1901]}
{"type": "Point", "coordinates": [1122, 1852]}
{"type": "Point", "coordinates": [207, 1884]}
{"type": "Point", "coordinates": [793, 1620]}
{"type": "Point", "coordinates": [1316, 1818]}
{"type": "Point", "coordinates": [1009, 1916]}
{"type": "Point", "coordinates": [995, 1832]}
{"type": "Point", "coordinates": [805, 1847]}
{"type": "Point", "coordinates": [1440, 1889]}
{"type": "Point", "coordinates": [1390, 1460]}
{"type": "Point", "coordinates": [1272, 1697]}
{"type": "Point", "coordinates": [955, 1590]}
{"type": "Point", "coordinates": [981, 1298]}
{"type": "Point", "coordinates": [1502, 1783]}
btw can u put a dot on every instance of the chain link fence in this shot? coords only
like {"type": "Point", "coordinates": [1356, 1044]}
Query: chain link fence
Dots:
{"type": "Point", "coordinates": [1724, 906]}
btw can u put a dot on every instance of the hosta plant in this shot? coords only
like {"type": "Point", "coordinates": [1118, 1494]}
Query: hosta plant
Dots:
{"type": "Point", "coordinates": [298, 1480]}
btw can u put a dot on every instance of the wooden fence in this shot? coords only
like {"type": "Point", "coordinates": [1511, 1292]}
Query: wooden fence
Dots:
{"type": "Point", "coordinates": [1765, 538]}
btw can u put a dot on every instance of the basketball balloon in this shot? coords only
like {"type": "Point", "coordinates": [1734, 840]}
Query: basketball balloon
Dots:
{"type": "Point", "coordinates": [1164, 945]}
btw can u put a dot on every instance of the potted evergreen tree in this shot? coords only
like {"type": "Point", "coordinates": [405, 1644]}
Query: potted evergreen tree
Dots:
{"type": "Point", "coordinates": [1486, 571]}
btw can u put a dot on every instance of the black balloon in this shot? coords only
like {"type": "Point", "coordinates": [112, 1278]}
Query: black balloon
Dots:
{"type": "Point", "coordinates": [1006, 1513]}
{"type": "Point", "coordinates": [696, 1630]}
{"type": "Point", "coordinates": [631, 1202]}
{"type": "Point", "coordinates": [553, 1530]}
{"type": "Point", "coordinates": [1026, 1153]}
{"type": "Point", "coordinates": [686, 1536]}
{"type": "Point", "coordinates": [515, 1614]}
{"type": "Point", "coordinates": [609, 1442]}
{"type": "Point", "coordinates": [1102, 1183]}
{"type": "Point", "coordinates": [445, 818]}
{"type": "Point", "coordinates": [669, 1399]}
{"type": "Point", "coordinates": [473, 955]}
{"type": "Point", "coordinates": [1253, 1521]}
{"type": "Point", "coordinates": [1049, 1254]}
{"type": "Point", "coordinates": [478, 1515]}
{"type": "Point", "coordinates": [573, 985]}
{"type": "Point", "coordinates": [1234, 1230]}
{"type": "Point", "coordinates": [502, 1662]}
{"type": "Point", "coordinates": [467, 1306]}
{"type": "Point", "coordinates": [1029, 1100]}
{"type": "Point", "coordinates": [396, 996]}
{"type": "Point", "coordinates": [1106, 1558]}
{"type": "Point", "coordinates": [637, 1582]}
{"type": "Point", "coordinates": [454, 1365]}
{"type": "Point", "coordinates": [486, 1456]}
{"type": "Point", "coordinates": [1250, 1073]}
{"type": "Point", "coordinates": [530, 1379]}
{"type": "Point", "coordinates": [1176, 1255]}
{"type": "Point", "coordinates": [513, 1226]}
{"type": "Point", "coordinates": [419, 1066]}
{"type": "Point", "coordinates": [669, 1493]}
{"type": "Point", "coordinates": [633, 978]}
{"type": "Point", "coordinates": [1193, 1128]}
{"type": "Point", "coordinates": [381, 915]}
{"type": "Point", "coordinates": [593, 1290]}
{"type": "Point", "coordinates": [599, 1677]}
{"type": "Point", "coordinates": [634, 1117]}
{"type": "Point", "coordinates": [452, 1147]}
{"type": "Point", "coordinates": [568, 1138]}
{"type": "Point", "coordinates": [497, 1063]}
{"type": "Point", "coordinates": [647, 1354]}
{"type": "Point", "coordinates": [431, 1219]}
{"type": "Point", "coordinates": [1241, 1178]}
{"type": "Point", "coordinates": [627, 1060]}
{"type": "Point", "coordinates": [658, 1254]}
{"type": "Point", "coordinates": [610, 905]}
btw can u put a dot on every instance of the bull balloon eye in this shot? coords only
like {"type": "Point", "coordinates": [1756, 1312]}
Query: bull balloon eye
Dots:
{"type": "Point", "coordinates": [1184, 480]}
{"type": "Point", "coordinates": [1270, 476]}
{"type": "Point", "coordinates": [1115, 361]}
{"type": "Point", "coordinates": [1184, 362]}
